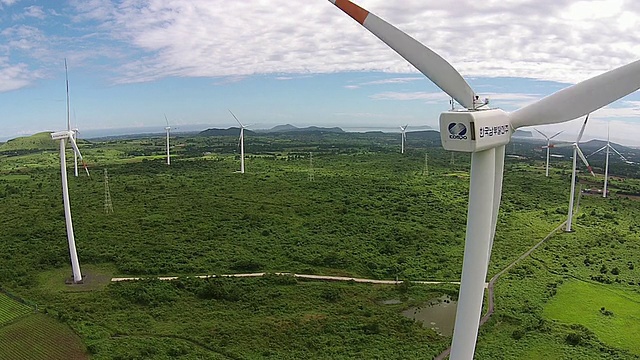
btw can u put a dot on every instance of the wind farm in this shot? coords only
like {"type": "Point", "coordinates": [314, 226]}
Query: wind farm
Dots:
{"type": "Point", "coordinates": [340, 240]}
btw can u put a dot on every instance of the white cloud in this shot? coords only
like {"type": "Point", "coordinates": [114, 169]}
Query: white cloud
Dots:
{"type": "Point", "coordinates": [7, 2]}
{"type": "Point", "coordinates": [550, 40]}
{"type": "Point", "coordinates": [13, 77]}
{"type": "Point", "coordinates": [409, 96]}
{"type": "Point", "coordinates": [34, 12]}
{"type": "Point", "coordinates": [396, 80]}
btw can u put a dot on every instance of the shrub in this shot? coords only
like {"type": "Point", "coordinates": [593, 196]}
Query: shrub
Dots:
{"type": "Point", "coordinates": [573, 339]}
{"type": "Point", "coordinates": [517, 334]}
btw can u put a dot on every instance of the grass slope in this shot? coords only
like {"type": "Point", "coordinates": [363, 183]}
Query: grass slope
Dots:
{"type": "Point", "coordinates": [620, 330]}
{"type": "Point", "coordinates": [39, 141]}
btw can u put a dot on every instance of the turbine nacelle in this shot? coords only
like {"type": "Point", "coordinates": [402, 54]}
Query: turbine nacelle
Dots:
{"type": "Point", "coordinates": [65, 134]}
{"type": "Point", "coordinates": [472, 131]}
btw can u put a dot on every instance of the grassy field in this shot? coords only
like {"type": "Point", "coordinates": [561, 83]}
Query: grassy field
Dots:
{"type": "Point", "coordinates": [620, 329]}
{"type": "Point", "coordinates": [11, 309]}
{"type": "Point", "coordinates": [38, 337]}
{"type": "Point", "coordinates": [370, 212]}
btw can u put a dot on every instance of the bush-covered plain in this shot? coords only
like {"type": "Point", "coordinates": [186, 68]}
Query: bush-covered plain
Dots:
{"type": "Point", "coordinates": [369, 212]}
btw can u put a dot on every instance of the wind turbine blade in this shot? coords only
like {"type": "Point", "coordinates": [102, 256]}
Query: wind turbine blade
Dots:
{"type": "Point", "coordinates": [167, 120]}
{"type": "Point", "coordinates": [543, 134]}
{"type": "Point", "coordinates": [616, 151]}
{"type": "Point", "coordinates": [75, 147]}
{"type": "Point", "coordinates": [234, 116]}
{"type": "Point", "coordinates": [597, 151]}
{"type": "Point", "coordinates": [580, 99]}
{"type": "Point", "coordinates": [558, 133]}
{"type": "Point", "coordinates": [432, 65]}
{"type": "Point", "coordinates": [584, 160]}
{"type": "Point", "coordinates": [582, 129]}
{"type": "Point", "coordinates": [66, 77]}
{"type": "Point", "coordinates": [77, 151]}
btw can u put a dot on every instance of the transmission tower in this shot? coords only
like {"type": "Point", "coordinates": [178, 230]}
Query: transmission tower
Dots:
{"type": "Point", "coordinates": [426, 165]}
{"type": "Point", "coordinates": [108, 206]}
{"type": "Point", "coordinates": [311, 178]}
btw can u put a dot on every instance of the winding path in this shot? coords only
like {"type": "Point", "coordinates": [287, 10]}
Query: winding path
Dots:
{"type": "Point", "coordinates": [301, 276]}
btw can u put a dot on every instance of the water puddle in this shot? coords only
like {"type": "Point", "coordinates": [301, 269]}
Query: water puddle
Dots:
{"type": "Point", "coordinates": [438, 314]}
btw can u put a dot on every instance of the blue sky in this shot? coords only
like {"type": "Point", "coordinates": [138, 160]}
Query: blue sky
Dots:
{"type": "Point", "coordinates": [300, 62]}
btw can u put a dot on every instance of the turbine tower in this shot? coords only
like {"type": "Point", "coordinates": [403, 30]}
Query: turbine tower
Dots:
{"type": "Point", "coordinates": [484, 132]}
{"type": "Point", "coordinates": [576, 152]}
{"type": "Point", "coordinates": [75, 156]}
{"type": "Point", "coordinates": [167, 129]}
{"type": "Point", "coordinates": [62, 136]}
{"type": "Point", "coordinates": [548, 145]}
{"type": "Point", "coordinates": [403, 130]}
{"type": "Point", "coordinates": [606, 166]}
{"type": "Point", "coordinates": [76, 131]}
{"type": "Point", "coordinates": [242, 127]}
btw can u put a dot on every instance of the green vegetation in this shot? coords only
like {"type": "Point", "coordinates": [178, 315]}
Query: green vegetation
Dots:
{"type": "Point", "coordinates": [11, 309]}
{"type": "Point", "coordinates": [369, 212]}
{"type": "Point", "coordinates": [612, 314]}
{"type": "Point", "coordinates": [37, 142]}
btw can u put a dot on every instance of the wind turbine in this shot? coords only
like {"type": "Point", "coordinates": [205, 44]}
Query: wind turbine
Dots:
{"type": "Point", "coordinates": [403, 129]}
{"type": "Point", "coordinates": [62, 136]}
{"type": "Point", "coordinates": [167, 129]}
{"type": "Point", "coordinates": [75, 137]}
{"type": "Point", "coordinates": [484, 133]}
{"type": "Point", "coordinates": [606, 166]}
{"type": "Point", "coordinates": [576, 152]}
{"type": "Point", "coordinates": [548, 145]}
{"type": "Point", "coordinates": [242, 127]}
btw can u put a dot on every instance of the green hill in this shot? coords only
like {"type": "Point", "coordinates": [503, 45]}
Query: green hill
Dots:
{"type": "Point", "coordinates": [39, 141]}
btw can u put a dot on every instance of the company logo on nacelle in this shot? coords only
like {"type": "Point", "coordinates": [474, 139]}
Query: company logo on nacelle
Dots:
{"type": "Point", "coordinates": [457, 131]}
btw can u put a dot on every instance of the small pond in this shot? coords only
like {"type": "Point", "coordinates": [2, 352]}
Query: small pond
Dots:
{"type": "Point", "coordinates": [437, 314]}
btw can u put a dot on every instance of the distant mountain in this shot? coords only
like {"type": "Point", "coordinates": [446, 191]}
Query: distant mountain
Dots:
{"type": "Point", "coordinates": [430, 135]}
{"type": "Point", "coordinates": [288, 128]}
{"type": "Point", "coordinates": [523, 134]}
{"type": "Point", "coordinates": [39, 141]}
{"type": "Point", "coordinates": [232, 131]}
{"type": "Point", "coordinates": [283, 128]}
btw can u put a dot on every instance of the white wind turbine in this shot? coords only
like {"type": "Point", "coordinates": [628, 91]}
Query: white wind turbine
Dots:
{"type": "Point", "coordinates": [606, 166]}
{"type": "Point", "coordinates": [484, 132]}
{"type": "Point", "coordinates": [242, 127]}
{"type": "Point", "coordinates": [548, 145]}
{"type": "Point", "coordinates": [167, 129]}
{"type": "Point", "coordinates": [62, 136]}
{"type": "Point", "coordinates": [403, 130]}
{"type": "Point", "coordinates": [576, 152]}
{"type": "Point", "coordinates": [75, 137]}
